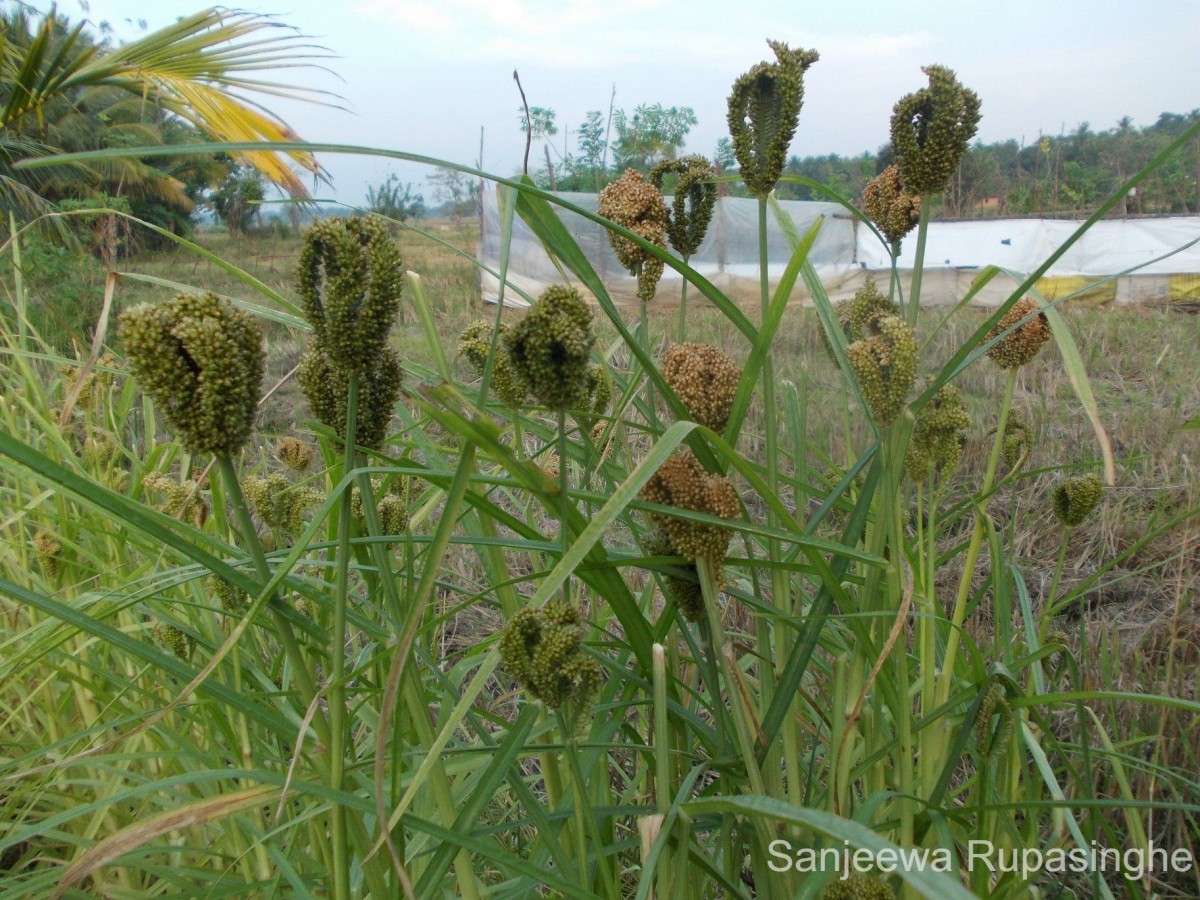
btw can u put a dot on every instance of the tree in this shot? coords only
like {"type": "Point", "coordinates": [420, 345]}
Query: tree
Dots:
{"type": "Point", "coordinates": [238, 200]}
{"type": "Point", "coordinates": [453, 188]}
{"type": "Point", "coordinates": [395, 200]}
{"type": "Point", "coordinates": [650, 135]}
{"type": "Point", "coordinates": [54, 77]}
{"type": "Point", "coordinates": [591, 143]}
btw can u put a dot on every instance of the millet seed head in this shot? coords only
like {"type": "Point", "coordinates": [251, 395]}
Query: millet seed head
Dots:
{"type": "Point", "coordinates": [635, 204]}
{"type": "Point", "coordinates": [49, 553]}
{"type": "Point", "coordinates": [294, 453]}
{"type": "Point", "coordinates": [684, 591]}
{"type": "Point", "coordinates": [232, 599]}
{"type": "Point", "coordinates": [474, 344]}
{"type": "Point", "coordinates": [693, 203]}
{"type": "Point", "coordinates": [886, 367]}
{"type": "Point", "coordinates": [931, 130]}
{"type": "Point", "coordinates": [1075, 498]}
{"type": "Point", "coordinates": [764, 110]}
{"type": "Point", "coordinates": [550, 348]}
{"type": "Point", "coordinates": [1018, 440]}
{"type": "Point", "coordinates": [541, 649]}
{"type": "Point", "coordinates": [939, 435]}
{"type": "Point", "coordinates": [201, 360]}
{"type": "Point", "coordinates": [326, 387]}
{"type": "Point", "coordinates": [860, 315]}
{"type": "Point", "coordinates": [705, 379]}
{"type": "Point", "coordinates": [681, 481]}
{"type": "Point", "coordinates": [599, 396]}
{"type": "Point", "coordinates": [857, 886]}
{"type": "Point", "coordinates": [349, 279]}
{"type": "Point", "coordinates": [894, 210]}
{"type": "Point", "coordinates": [171, 638]}
{"type": "Point", "coordinates": [1022, 344]}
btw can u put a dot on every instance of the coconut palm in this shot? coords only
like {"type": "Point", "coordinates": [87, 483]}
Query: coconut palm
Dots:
{"type": "Point", "coordinates": [59, 90]}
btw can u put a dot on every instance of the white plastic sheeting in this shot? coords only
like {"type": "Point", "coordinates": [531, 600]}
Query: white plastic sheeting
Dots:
{"type": "Point", "coordinates": [1144, 255]}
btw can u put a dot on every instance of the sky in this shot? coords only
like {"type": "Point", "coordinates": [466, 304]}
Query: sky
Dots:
{"type": "Point", "coordinates": [425, 76]}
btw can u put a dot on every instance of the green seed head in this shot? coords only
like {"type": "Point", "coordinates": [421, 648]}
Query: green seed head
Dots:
{"type": "Point", "coordinates": [550, 348]}
{"type": "Point", "coordinates": [49, 553]}
{"type": "Point", "coordinates": [326, 386]}
{"type": "Point", "coordinates": [706, 381]}
{"type": "Point", "coordinates": [232, 599]}
{"type": "Point", "coordinates": [684, 591]}
{"type": "Point", "coordinates": [294, 453]}
{"type": "Point", "coordinates": [860, 315]}
{"type": "Point", "coordinates": [541, 649]}
{"type": "Point", "coordinates": [939, 435]}
{"type": "Point", "coordinates": [931, 130]}
{"type": "Point", "coordinates": [599, 396]}
{"type": "Point", "coordinates": [171, 638]}
{"type": "Point", "coordinates": [474, 344]}
{"type": "Point", "coordinates": [1018, 441]}
{"type": "Point", "coordinates": [1021, 344]}
{"type": "Point", "coordinates": [1075, 498]}
{"type": "Point", "coordinates": [694, 201]}
{"type": "Point", "coordinates": [637, 205]}
{"type": "Point", "coordinates": [886, 367]}
{"type": "Point", "coordinates": [894, 210]}
{"type": "Point", "coordinates": [764, 110]}
{"type": "Point", "coordinates": [201, 360]}
{"type": "Point", "coordinates": [858, 887]}
{"type": "Point", "coordinates": [349, 279]}
{"type": "Point", "coordinates": [682, 482]}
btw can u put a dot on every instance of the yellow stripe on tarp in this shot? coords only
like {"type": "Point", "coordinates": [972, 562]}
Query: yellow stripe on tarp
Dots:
{"type": "Point", "coordinates": [1184, 287]}
{"type": "Point", "coordinates": [1062, 285]}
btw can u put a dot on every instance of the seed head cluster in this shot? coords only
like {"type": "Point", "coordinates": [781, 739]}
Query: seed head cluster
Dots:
{"type": "Point", "coordinates": [684, 591]}
{"type": "Point", "coordinates": [764, 110]}
{"type": "Point", "coordinates": [201, 360]}
{"type": "Point", "coordinates": [635, 204]}
{"type": "Point", "coordinates": [1018, 441]}
{"type": "Point", "coordinates": [326, 386]}
{"type": "Point", "coordinates": [693, 203]}
{"type": "Point", "coordinates": [541, 649]}
{"type": "Point", "coordinates": [294, 453]}
{"type": "Point", "coordinates": [49, 553]}
{"type": "Point", "coordinates": [550, 348]}
{"type": "Point", "coordinates": [859, 316]}
{"type": "Point", "coordinates": [349, 279]}
{"type": "Point", "coordinates": [599, 396]}
{"type": "Point", "coordinates": [180, 499]}
{"type": "Point", "coordinates": [391, 507]}
{"type": "Point", "coordinates": [705, 379]}
{"type": "Point", "coordinates": [886, 367]}
{"type": "Point", "coordinates": [1075, 498]}
{"type": "Point", "coordinates": [857, 886]}
{"type": "Point", "coordinates": [474, 344]}
{"type": "Point", "coordinates": [931, 130]}
{"type": "Point", "coordinates": [894, 210]}
{"type": "Point", "coordinates": [939, 435]}
{"type": "Point", "coordinates": [232, 599]}
{"type": "Point", "coordinates": [171, 638]}
{"type": "Point", "coordinates": [1023, 343]}
{"type": "Point", "coordinates": [278, 504]}
{"type": "Point", "coordinates": [682, 482]}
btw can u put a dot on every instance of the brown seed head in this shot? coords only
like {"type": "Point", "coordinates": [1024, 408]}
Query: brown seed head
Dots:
{"type": "Point", "coordinates": [891, 208]}
{"type": "Point", "coordinates": [1023, 343]}
{"type": "Point", "coordinates": [705, 379]}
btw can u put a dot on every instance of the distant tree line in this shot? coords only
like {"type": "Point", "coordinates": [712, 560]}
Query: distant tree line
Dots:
{"type": "Point", "coordinates": [1065, 175]}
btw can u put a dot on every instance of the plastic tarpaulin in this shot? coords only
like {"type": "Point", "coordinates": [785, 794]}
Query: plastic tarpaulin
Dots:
{"type": "Point", "coordinates": [1141, 259]}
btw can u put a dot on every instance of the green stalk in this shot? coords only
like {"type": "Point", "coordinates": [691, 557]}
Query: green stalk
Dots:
{"type": "Point", "coordinates": [1052, 594]}
{"type": "Point", "coordinates": [683, 308]}
{"type": "Point", "coordinates": [662, 765]}
{"type": "Point", "coordinates": [780, 582]}
{"type": "Point", "coordinates": [914, 294]}
{"type": "Point", "coordinates": [964, 585]}
{"type": "Point", "coordinates": [287, 637]}
{"type": "Point", "coordinates": [337, 658]}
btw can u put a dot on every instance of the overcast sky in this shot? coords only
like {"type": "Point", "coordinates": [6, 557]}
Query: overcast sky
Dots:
{"type": "Point", "coordinates": [425, 75]}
